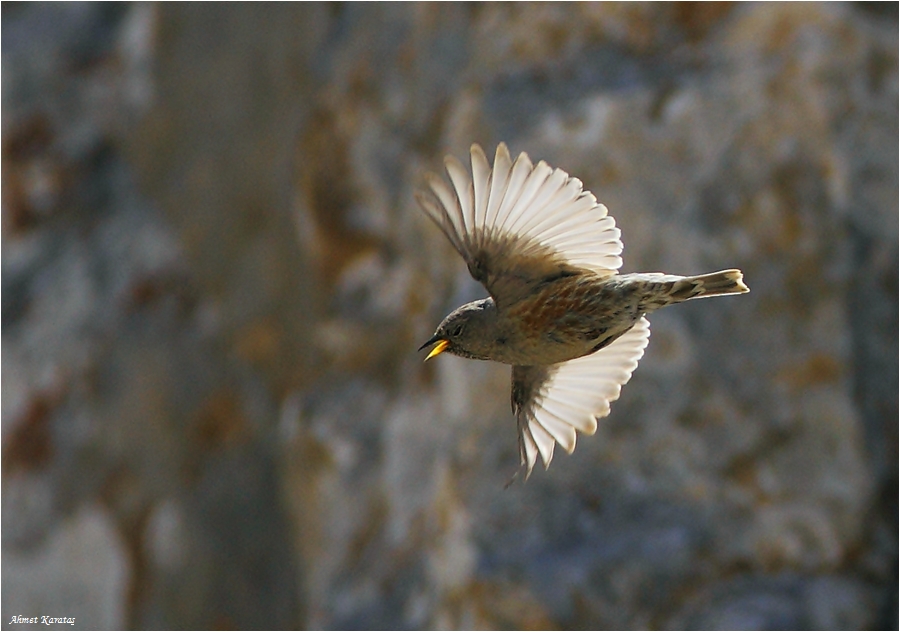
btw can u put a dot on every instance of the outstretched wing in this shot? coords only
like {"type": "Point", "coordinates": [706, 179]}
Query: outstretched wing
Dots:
{"type": "Point", "coordinates": [552, 402]}
{"type": "Point", "coordinates": [520, 224]}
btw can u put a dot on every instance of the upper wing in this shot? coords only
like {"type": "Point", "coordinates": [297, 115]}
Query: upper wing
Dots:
{"type": "Point", "coordinates": [552, 402]}
{"type": "Point", "coordinates": [521, 223]}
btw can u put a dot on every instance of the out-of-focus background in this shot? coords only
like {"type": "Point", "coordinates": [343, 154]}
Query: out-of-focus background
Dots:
{"type": "Point", "coordinates": [215, 279]}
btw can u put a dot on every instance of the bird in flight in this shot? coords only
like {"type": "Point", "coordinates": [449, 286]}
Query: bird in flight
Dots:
{"type": "Point", "coordinates": [548, 254]}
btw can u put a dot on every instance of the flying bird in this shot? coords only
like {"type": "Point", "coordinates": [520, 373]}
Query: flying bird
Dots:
{"type": "Point", "coordinates": [548, 254]}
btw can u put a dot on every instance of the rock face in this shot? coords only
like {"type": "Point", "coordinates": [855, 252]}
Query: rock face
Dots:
{"type": "Point", "coordinates": [215, 278]}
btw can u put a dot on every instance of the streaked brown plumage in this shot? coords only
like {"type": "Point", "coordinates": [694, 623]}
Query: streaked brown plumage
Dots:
{"type": "Point", "coordinates": [548, 253]}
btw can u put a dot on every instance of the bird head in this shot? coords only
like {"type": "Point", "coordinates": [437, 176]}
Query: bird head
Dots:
{"type": "Point", "coordinates": [466, 332]}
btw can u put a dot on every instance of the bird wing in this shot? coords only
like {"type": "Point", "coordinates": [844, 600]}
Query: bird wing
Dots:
{"type": "Point", "coordinates": [552, 402]}
{"type": "Point", "coordinates": [520, 224]}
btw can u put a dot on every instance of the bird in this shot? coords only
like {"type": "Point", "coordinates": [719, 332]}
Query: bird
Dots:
{"type": "Point", "coordinates": [558, 311]}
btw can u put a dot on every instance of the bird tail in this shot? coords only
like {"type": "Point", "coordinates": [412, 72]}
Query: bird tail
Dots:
{"type": "Point", "coordinates": [660, 290]}
{"type": "Point", "coordinates": [712, 284]}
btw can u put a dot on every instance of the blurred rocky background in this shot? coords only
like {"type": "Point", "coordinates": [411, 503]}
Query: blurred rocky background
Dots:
{"type": "Point", "coordinates": [215, 278]}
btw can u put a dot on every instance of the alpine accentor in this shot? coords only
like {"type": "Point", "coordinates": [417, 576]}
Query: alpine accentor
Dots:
{"type": "Point", "coordinates": [570, 326]}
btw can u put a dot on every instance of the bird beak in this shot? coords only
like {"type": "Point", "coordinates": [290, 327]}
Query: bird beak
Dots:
{"type": "Point", "coordinates": [439, 348]}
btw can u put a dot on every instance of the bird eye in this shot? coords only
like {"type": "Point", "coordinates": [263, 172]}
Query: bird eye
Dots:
{"type": "Point", "coordinates": [457, 329]}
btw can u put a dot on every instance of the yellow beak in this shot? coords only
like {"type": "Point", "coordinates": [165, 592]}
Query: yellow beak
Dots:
{"type": "Point", "coordinates": [438, 349]}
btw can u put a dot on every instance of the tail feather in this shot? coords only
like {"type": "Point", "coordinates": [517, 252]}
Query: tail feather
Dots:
{"type": "Point", "coordinates": [712, 284]}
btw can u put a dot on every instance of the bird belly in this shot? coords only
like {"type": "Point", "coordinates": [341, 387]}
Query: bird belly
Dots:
{"type": "Point", "coordinates": [568, 319]}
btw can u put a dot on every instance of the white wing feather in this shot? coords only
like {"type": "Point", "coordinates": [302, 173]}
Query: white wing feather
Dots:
{"type": "Point", "coordinates": [579, 392]}
{"type": "Point", "coordinates": [535, 202]}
